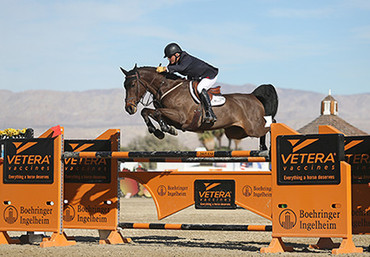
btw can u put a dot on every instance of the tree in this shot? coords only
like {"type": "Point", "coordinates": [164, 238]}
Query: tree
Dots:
{"type": "Point", "coordinates": [207, 139]}
{"type": "Point", "coordinates": [218, 133]}
{"type": "Point", "coordinates": [236, 142]}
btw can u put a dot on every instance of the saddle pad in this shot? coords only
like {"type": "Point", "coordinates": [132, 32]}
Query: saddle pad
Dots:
{"type": "Point", "coordinates": [217, 100]}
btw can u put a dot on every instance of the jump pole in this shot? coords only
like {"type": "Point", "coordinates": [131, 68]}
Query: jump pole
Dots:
{"type": "Point", "coordinates": [185, 159]}
{"type": "Point", "coordinates": [167, 154]}
{"type": "Point", "coordinates": [208, 227]}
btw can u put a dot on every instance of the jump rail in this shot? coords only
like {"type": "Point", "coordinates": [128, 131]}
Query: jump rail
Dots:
{"type": "Point", "coordinates": [186, 159]}
{"type": "Point", "coordinates": [179, 155]}
{"type": "Point", "coordinates": [209, 227]}
{"type": "Point", "coordinates": [199, 159]}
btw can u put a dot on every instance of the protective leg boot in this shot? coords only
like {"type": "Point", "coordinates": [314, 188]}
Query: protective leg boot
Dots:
{"type": "Point", "coordinates": [210, 117]}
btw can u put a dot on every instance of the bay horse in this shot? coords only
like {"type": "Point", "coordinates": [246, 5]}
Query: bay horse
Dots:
{"type": "Point", "coordinates": [241, 116]}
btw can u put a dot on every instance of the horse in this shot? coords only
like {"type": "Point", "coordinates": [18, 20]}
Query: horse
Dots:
{"type": "Point", "coordinates": [242, 115]}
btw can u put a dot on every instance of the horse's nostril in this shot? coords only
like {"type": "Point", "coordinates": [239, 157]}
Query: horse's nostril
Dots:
{"type": "Point", "coordinates": [131, 109]}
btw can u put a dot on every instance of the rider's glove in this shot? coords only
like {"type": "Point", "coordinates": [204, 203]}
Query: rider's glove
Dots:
{"type": "Point", "coordinates": [161, 69]}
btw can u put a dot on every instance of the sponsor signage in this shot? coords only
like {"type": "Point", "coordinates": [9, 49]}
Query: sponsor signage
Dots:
{"type": "Point", "coordinates": [357, 153]}
{"type": "Point", "coordinates": [310, 220]}
{"type": "Point", "coordinates": [28, 215]}
{"type": "Point", "coordinates": [89, 170]}
{"type": "Point", "coordinates": [309, 159]}
{"type": "Point", "coordinates": [257, 191]}
{"type": "Point", "coordinates": [89, 214]}
{"type": "Point", "coordinates": [214, 194]}
{"type": "Point", "coordinates": [172, 190]}
{"type": "Point", "coordinates": [28, 161]}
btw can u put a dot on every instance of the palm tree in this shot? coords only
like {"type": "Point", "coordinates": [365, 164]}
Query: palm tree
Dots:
{"type": "Point", "coordinates": [218, 133]}
{"type": "Point", "coordinates": [207, 139]}
{"type": "Point", "coordinates": [236, 143]}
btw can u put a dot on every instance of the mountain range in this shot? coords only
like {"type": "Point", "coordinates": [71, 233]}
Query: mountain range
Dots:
{"type": "Point", "coordinates": [86, 114]}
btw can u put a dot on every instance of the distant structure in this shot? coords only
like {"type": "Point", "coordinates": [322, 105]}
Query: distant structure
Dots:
{"type": "Point", "coordinates": [329, 116]}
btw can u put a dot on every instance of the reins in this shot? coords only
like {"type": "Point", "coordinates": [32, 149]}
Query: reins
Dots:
{"type": "Point", "coordinates": [171, 89]}
{"type": "Point", "coordinates": [149, 88]}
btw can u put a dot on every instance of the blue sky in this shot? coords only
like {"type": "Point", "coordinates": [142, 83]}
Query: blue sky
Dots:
{"type": "Point", "coordinates": [79, 45]}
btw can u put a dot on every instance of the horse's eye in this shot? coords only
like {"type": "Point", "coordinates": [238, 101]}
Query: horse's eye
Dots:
{"type": "Point", "coordinates": [128, 86]}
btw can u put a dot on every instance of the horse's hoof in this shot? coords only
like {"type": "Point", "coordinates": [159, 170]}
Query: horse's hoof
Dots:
{"type": "Point", "coordinates": [159, 134]}
{"type": "Point", "coordinates": [151, 130]}
{"type": "Point", "coordinates": [263, 148]}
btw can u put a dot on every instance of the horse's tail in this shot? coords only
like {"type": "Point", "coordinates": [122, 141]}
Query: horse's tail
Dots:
{"type": "Point", "coordinates": [267, 95]}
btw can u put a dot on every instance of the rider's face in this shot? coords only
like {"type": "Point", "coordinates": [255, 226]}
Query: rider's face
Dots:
{"type": "Point", "coordinates": [173, 58]}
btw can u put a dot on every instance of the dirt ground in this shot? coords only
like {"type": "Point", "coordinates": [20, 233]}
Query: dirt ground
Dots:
{"type": "Point", "coordinates": [175, 242]}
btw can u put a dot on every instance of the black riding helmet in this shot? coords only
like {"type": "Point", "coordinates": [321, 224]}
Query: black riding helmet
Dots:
{"type": "Point", "coordinates": [171, 49]}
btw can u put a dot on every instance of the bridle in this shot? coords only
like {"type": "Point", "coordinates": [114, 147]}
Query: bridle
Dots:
{"type": "Point", "coordinates": [148, 88]}
{"type": "Point", "coordinates": [155, 93]}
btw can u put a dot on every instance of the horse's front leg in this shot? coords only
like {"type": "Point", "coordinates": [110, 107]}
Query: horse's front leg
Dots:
{"type": "Point", "coordinates": [263, 146]}
{"type": "Point", "coordinates": [157, 115]}
{"type": "Point", "coordinates": [173, 115]}
{"type": "Point", "coordinates": [146, 113]}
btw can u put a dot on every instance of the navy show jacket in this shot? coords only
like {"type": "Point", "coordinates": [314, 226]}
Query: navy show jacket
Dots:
{"type": "Point", "coordinates": [192, 67]}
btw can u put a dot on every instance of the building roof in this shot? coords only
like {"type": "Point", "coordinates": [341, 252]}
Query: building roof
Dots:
{"type": "Point", "coordinates": [329, 98]}
{"type": "Point", "coordinates": [329, 111]}
{"type": "Point", "coordinates": [332, 120]}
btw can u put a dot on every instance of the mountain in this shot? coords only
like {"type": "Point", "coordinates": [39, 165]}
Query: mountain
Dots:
{"type": "Point", "coordinates": [86, 114]}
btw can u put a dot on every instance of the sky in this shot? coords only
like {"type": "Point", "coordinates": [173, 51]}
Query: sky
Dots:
{"type": "Point", "coordinates": [76, 45]}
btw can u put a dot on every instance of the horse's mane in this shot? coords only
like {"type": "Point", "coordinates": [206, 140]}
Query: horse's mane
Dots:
{"type": "Point", "coordinates": [172, 76]}
{"type": "Point", "coordinates": [167, 75]}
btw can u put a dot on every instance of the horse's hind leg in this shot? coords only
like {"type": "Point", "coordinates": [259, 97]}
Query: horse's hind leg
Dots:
{"type": "Point", "coordinates": [263, 146]}
{"type": "Point", "coordinates": [146, 113]}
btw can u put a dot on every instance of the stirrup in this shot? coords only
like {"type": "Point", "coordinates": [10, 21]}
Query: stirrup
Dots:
{"type": "Point", "coordinates": [209, 117]}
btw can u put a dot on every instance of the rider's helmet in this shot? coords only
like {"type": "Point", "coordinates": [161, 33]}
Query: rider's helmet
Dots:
{"type": "Point", "coordinates": [171, 49]}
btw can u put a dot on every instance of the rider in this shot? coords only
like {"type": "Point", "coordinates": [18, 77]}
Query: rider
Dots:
{"type": "Point", "coordinates": [195, 69]}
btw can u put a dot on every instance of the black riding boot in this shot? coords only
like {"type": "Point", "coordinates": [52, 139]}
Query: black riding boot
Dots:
{"type": "Point", "coordinates": [210, 117]}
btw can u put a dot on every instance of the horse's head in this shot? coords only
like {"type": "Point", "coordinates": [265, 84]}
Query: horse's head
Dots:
{"type": "Point", "coordinates": [134, 89]}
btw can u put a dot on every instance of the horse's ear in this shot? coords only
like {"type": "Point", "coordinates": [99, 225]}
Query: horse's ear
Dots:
{"type": "Point", "coordinates": [124, 71]}
{"type": "Point", "coordinates": [135, 67]}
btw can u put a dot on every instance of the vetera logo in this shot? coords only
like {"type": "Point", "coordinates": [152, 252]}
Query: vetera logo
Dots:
{"type": "Point", "coordinates": [310, 159]}
{"type": "Point", "coordinates": [214, 194]}
{"type": "Point", "coordinates": [357, 151]}
{"type": "Point", "coordinates": [29, 161]}
{"type": "Point", "coordinates": [87, 170]}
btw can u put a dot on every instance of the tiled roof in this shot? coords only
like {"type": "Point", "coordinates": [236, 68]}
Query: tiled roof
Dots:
{"type": "Point", "coordinates": [333, 120]}
{"type": "Point", "coordinates": [329, 98]}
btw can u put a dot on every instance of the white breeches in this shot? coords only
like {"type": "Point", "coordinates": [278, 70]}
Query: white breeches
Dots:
{"type": "Point", "coordinates": [206, 84]}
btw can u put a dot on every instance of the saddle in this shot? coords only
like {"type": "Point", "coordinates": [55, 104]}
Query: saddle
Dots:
{"type": "Point", "coordinates": [214, 94]}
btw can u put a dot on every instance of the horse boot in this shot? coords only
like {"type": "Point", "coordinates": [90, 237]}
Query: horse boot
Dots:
{"type": "Point", "coordinates": [210, 117]}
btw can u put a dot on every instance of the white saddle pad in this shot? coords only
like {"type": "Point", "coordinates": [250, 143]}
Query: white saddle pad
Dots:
{"type": "Point", "coordinates": [217, 100]}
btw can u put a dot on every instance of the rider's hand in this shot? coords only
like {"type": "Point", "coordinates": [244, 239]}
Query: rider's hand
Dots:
{"type": "Point", "coordinates": [161, 69]}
